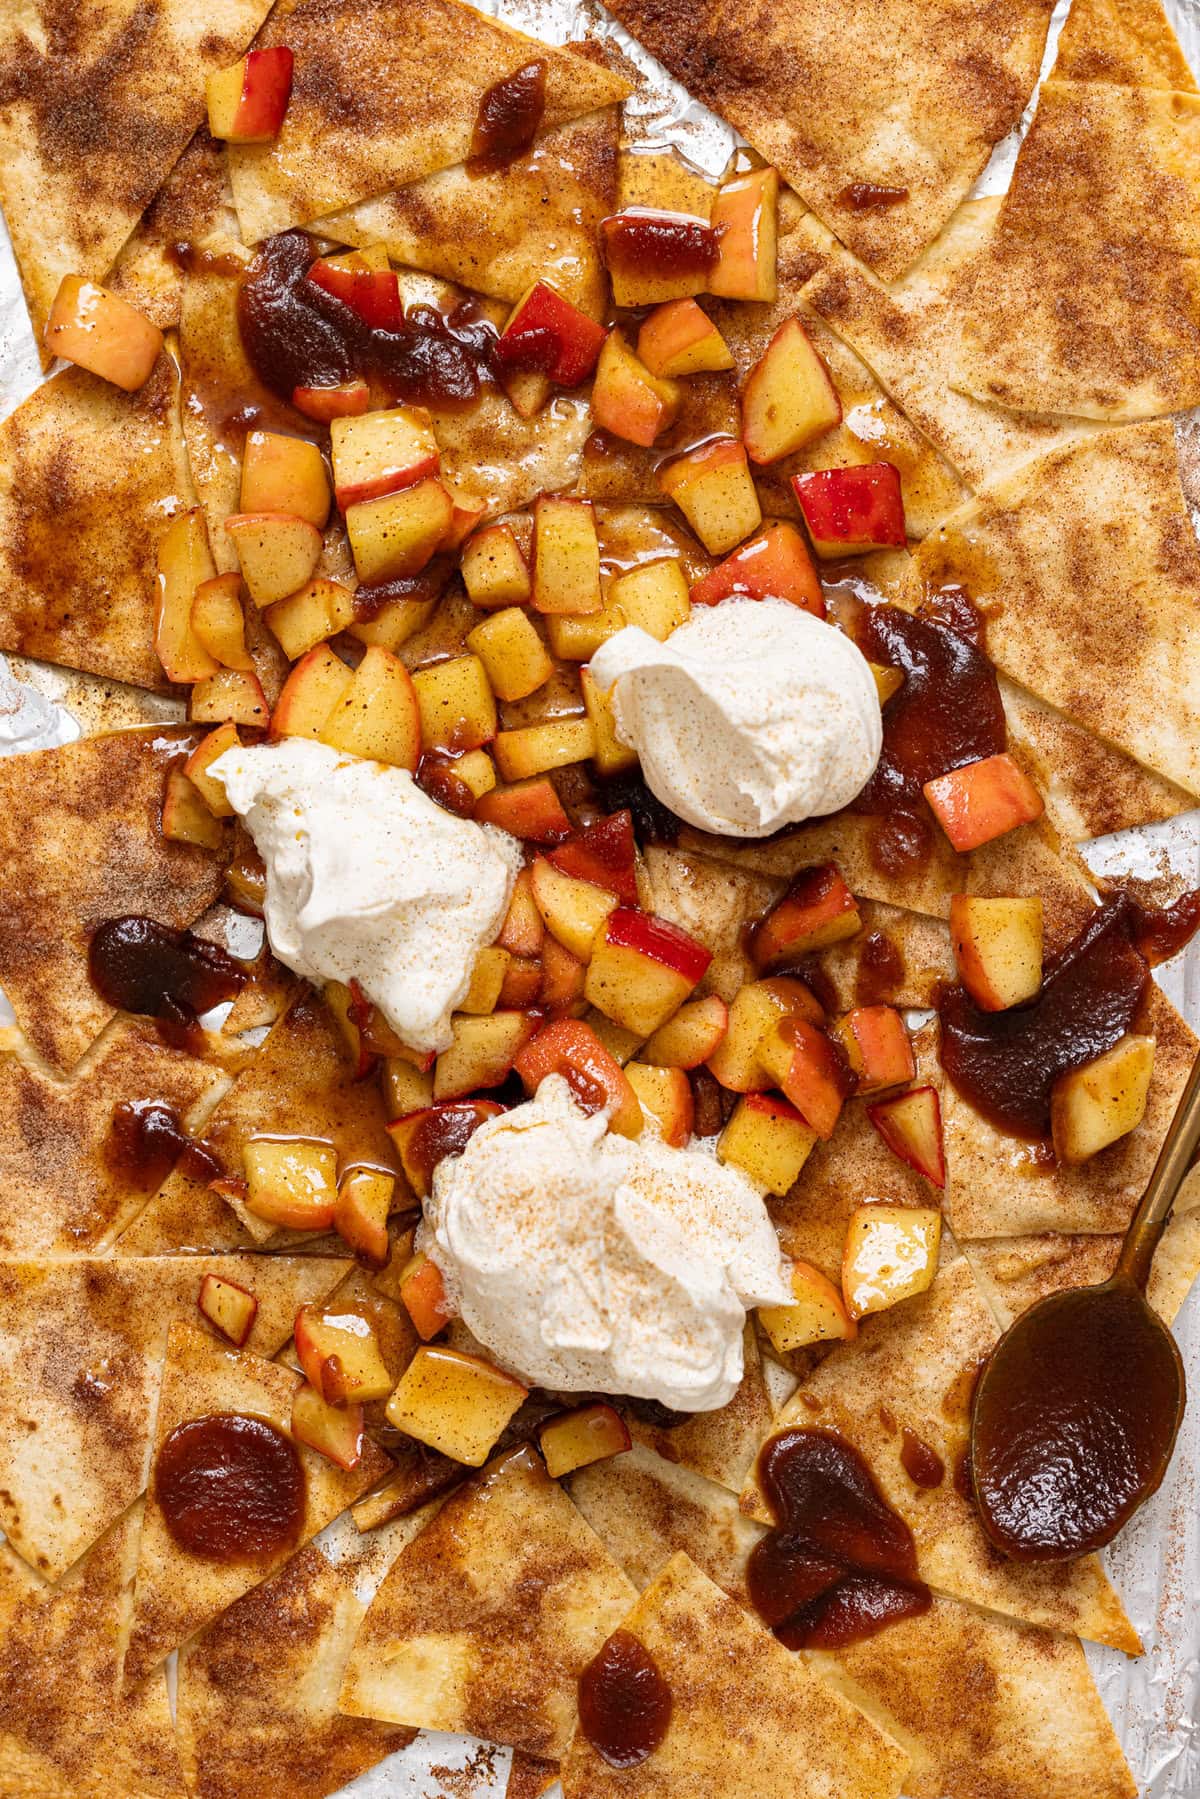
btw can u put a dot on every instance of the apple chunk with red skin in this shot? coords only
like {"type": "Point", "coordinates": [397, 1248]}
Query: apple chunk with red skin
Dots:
{"type": "Point", "coordinates": [767, 1139]}
{"type": "Point", "coordinates": [310, 693]}
{"type": "Point", "coordinates": [890, 1254]}
{"type": "Point", "coordinates": [757, 1007]}
{"type": "Point", "coordinates": [228, 1308]}
{"type": "Point", "coordinates": [850, 511]}
{"type": "Point", "coordinates": [576, 1439]}
{"type": "Point", "coordinates": [547, 335]}
{"type": "Point", "coordinates": [377, 716]}
{"type": "Point", "coordinates": [788, 399]}
{"type": "Point", "coordinates": [642, 969]}
{"type": "Point", "coordinates": [456, 1403]}
{"type": "Point", "coordinates": [336, 400]}
{"type": "Point", "coordinates": [572, 910]}
{"type": "Point", "coordinates": [983, 800]}
{"type": "Point", "coordinates": [336, 1432]}
{"type": "Point", "coordinates": [817, 1314]}
{"type": "Point", "coordinates": [773, 564]}
{"type": "Point", "coordinates": [806, 1066]}
{"type": "Point", "coordinates": [998, 949]}
{"type": "Point", "coordinates": [372, 294]}
{"type": "Point", "coordinates": [604, 853]}
{"type": "Point", "coordinates": [423, 1296]}
{"type": "Point", "coordinates": [691, 1036]}
{"type": "Point", "coordinates": [398, 533]}
{"type": "Point", "coordinates": [339, 1353]}
{"type": "Point", "coordinates": [247, 102]}
{"type": "Point", "coordinates": [530, 810]}
{"type": "Point", "coordinates": [424, 1138]}
{"type": "Point", "coordinates": [877, 1047]}
{"type": "Point", "coordinates": [571, 1048]}
{"type": "Point", "coordinates": [713, 488]}
{"type": "Point", "coordinates": [911, 1126]}
{"type": "Point", "coordinates": [378, 453]}
{"type": "Point", "coordinates": [817, 910]}
{"type": "Point", "coordinates": [745, 220]}
{"type": "Point", "coordinates": [627, 399]}
{"type": "Point", "coordinates": [99, 331]}
{"type": "Point", "coordinates": [679, 338]}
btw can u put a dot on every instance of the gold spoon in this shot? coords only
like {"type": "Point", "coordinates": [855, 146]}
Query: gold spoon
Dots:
{"type": "Point", "coordinates": [1078, 1406]}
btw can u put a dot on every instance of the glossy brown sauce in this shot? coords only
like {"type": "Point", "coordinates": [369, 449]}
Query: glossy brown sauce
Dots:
{"type": "Point", "coordinates": [297, 335]}
{"type": "Point", "coordinates": [193, 259]}
{"type": "Point", "coordinates": [840, 1564]}
{"type": "Point", "coordinates": [658, 243]}
{"type": "Point", "coordinates": [146, 1141]}
{"type": "Point", "coordinates": [508, 118]}
{"type": "Point", "coordinates": [139, 965]}
{"type": "Point", "coordinates": [922, 1463]}
{"type": "Point", "coordinates": [1005, 1063]}
{"type": "Point", "coordinates": [1160, 932]}
{"type": "Point", "coordinates": [880, 969]}
{"type": "Point", "coordinates": [869, 196]}
{"type": "Point", "coordinates": [443, 1131]}
{"type": "Point", "coordinates": [625, 1702]}
{"type": "Point", "coordinates": [429, 584]}
{"type": "Point", "coordinates": [231, 1488]}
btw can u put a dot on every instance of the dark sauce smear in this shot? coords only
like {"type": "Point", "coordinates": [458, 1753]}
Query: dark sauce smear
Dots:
{"type": "Point", "coordinates": [624, 1701]}
{"type": "Point", "coordinates": [922, 1464]}
{"type": "Point", "coordinates": [1160, 932]}
{"type": "Point", "coordinates": [1005, 1063]}
{"type": "Point", "coordinates": [869, 196]}
{"type": "Point", "coordinates": [840, 1564]}
{"type": "Point", "coordinates": [658, 243]}
{"type": "Point", "coordinates": [139, 965]}
{"type": "Point", "coordinates": [946, 713]}
{"type": "Point", "coordinates": [507, 122]}
{"type": "Point", "coordinates": [230, 1488]}
{"type": "Point", "coordinates": [297, 335]}
{"type": "Point", "coordinates": [146, 1142]}
{"type": "Point", "coordinates": [652, 821]}
{"type": "Point", "coordinates": [429, 584]}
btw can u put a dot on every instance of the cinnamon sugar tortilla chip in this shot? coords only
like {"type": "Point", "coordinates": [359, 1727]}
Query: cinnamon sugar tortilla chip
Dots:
{"type": "Point", "coordinates": [177, 1594]}
{"type": "Point", "coordinates": [80, 842]}
{"type": "Point", "coordinates": [257, 1690]}
{"type": "Point", "coordinates": [748, 1718]}
{"type": "Point", "coordinates": [914, 1367]}
{"type": "Point", "coordinates": [366, 115]}
{"type": "Point", "coordinates": [529, 1776]}
{"type": "Point", "coordinates": [193, 206]}
{"type": "Point", "coordinates": [487, 1618]}
{"type": "Point", "coordinates": [90, 477]}
{"type": "Point", "coordinates": [82, 1347]}
{"type": "Point", "coordinates": [1128, 42]}
{"type": "Point", "coordinates": [97, 100]}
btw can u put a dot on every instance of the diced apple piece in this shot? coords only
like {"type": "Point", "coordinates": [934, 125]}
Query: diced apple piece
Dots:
{"type": "Point", "coordinates": [523, 930]}
{"type": "Point", "coordinates": [494, 571]}
{"type": "Point", "coordinates": [530, 810]}
{"type": "Point", "coordinates": [100, 332]}
{"type": "Point", "coordinates": [547, 335]}
{"type": "Point", "coordinates": [788, 399]}
{"type": "Point", "coordinates": [654, 256]}
{"type": "Point", "coordinates": [284, 474]}
{"type": "Point", "coordinates": [745, 219]}
{"type": "Point", "coordinates": [757, 1007]}
{"type": "Point", "coordinates": [185, 816]}
{"type": "Point", "coordinates": [522, 984]}
{"type": "Point", "coordinates": [230, 697]}
{"type": "Point", "coordinates": [817, 910]}
{"type": "Point", "coordinates": [560, 993]}
{"type": "Point", "coordinates": [609, 754]}
{"type": "Point", "coordinates": [310, 693]}
{"type": "Point", "coordinates": [184, 561]}
{"type": "Point", "coordinates": [577, 637]}
{"type": "Point", "coordinates": [804, 1064]}
{"type": "Point", "coordinates": [389, 617]}
{"type": "Point", "coordinates": [423, 1295]}
{"type": "Point", "coordinates": [998, 949]}
{"type": "Point", "coordinates": [911, 1126]}
{"type": "Point", "coordinates": [247, 103]}
{"type": "Point", "coordinates": [642, 969]}
{"type": "Point", "coordinates": [196, 768]}
{"type": "Point", "coordinates": [228, 1308]}
{"type": "Point", "coordinates": [277, 552]}
{"type": "Point", "coordinates": [291, 1182]}
{"type": "Point", "coordinates": [571, 909]}
{"type": "Point", "coordinates": [336, 1432]}
{"type": "Point", "coordinates": [891, 1253]}
{"type": "Point", "coordinates": [877, 1047]}
{"type": "Point", "coordinates": [850, 511]}
{"type": "Point", "coordinates": [456, 705]}
{"type": "Point", "coordinates": [982, 801]}
{"type": "Point", "coordinates": [566, 555]}
{"type": "Point", "coordinates": [476, 771]}
{"type": "Point", "coordinates": [627, 399]}
{"type": "Point", "coordinates": [691, 1037]}
{"type": "Point", "coordinates": [406, 1089]}
{"type": "Point", "coordinates": [377, 716]}
{"type": "Point", "coordinates": [512, 653]}
{"type": "Point", "coordinates": [576, 1439]}
{"type": "Point", "coordinates": [604, 853]}
{"type": "Point", "coordinates": [621, 1044]}
{"type": "Point", "coordinates": [487, 980]}
{"type": "Point", "coordinates": [713, 489]}
{"type": "Point", "coordinates": [654, 596]}
{"type": "Point", "coordinates": [1093, 1106]}
{"type": "Point", "coordinates": [372, 294]}
{"type": "Point", "coordinates": [456, 1403]}
{"type": "Point", "coordinates": [536, 748]}
{"type": "Point", "coordinates": [220, 624]}
{"type": "Point", "coordinates": [423, 1139]}
{"type": "Point", "coordinates": [318, 611]}
{"type": "Point", "coordinates": [340, 1355]}
{"type": "Point", "coordinates": [768, 1140]}
{"type": "Point", "coordinates": [571, 1048]}
{"type": "Point", "coordinates": [397, 534]}
{"type": "Point", "coordinates": [482, 1053]}
{"type": "Point", "coordinates": [680, 339]}
{"type": "Point", "coordinates": [817, 1315]}
{"type": "Point", "coordinates": [378, 453]}
{"type": "Point", "coordinates": [664, 1094]}
{"type": "Point", "coordinates": [340, 400]}
{"type": "Point", "coordinates": [360, 1217]}
{"type": "Point", "coordinates": [774, 563]}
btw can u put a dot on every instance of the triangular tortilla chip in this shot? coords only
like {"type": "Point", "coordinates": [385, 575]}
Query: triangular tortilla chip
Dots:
{"type": "Point", "coordinates": [844, 99]}
{"type": "Point", "coordinates": [89, 479]}
{"type": "Point", "coordinates": [898, 958]}
{"type": "Point", "coordinates": [913, 1368]}
{"type": "Point", "coordinates": [488, 1616]}
{"type": "Point", "coordinates": [258, 1690]}
{"type": "Point", "coordinates": [67, 1730]}
{"type": "Point", "coordinates": [64, 1189]}
{"type": "Point", "coordinates": [529, 1776]}
{"type": "Point", "coordinates": [82, 1346]}
{"type": "Point", "coordinates": [97, 100]}
{"type": "Point", "coordinates": [1086, 566]}
{"type": "Point", "coordinates": [1128, 42]}
{"type": "Point", "coordinates": [366, 116]}
{"type": "Point", "coordinates": [723, 1444]}
{"type": "Point", "coordinates": [193, 205]}
{"type": "Point", "coordinates": [178, 1593]}
{"type": "Point", "coordinates": [499, 233]}
{"type": "Point", "coordinates": [80, 842]}
{"type": "Point", "coordinates": [1087, 298]}
{"type": "Point", "coordinates": [301, 1083]}
{"type": "Point", "coordinates": [748, 1718]}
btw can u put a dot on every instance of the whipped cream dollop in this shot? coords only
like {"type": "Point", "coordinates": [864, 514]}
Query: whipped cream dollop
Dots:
{"type": "Point", "coordinates": [368, 880]}
{"type": "Point", "coordinates": [586, 1262]}
{"type": "Point", "coordinates": [751, 716]}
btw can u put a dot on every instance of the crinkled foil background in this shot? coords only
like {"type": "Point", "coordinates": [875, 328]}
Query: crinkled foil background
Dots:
{"type": "Point", "coordinates": [1154, 1701]}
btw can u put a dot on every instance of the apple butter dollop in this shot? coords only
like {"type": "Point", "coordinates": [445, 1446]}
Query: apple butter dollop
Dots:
{"type": "Point", "coordinates": [231, 1488]}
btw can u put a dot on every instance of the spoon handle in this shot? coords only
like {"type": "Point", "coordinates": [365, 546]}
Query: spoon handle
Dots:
{"type": "Point", "coordinates": [1174, 1160]}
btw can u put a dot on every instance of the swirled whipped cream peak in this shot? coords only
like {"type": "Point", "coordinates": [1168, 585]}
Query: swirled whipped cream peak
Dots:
{"type": "Point", "coordinates": [753, 715]}
{"type": "Point", "coordinates": [586, 1262]}
{"type": "Point", "coordinates": [369, 881]}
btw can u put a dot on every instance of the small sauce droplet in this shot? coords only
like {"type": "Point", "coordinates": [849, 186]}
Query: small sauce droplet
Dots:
{"type": "Point", "coordinates": [508, 118]}
{"type": "Point", "coordinates": [231, 1488]}
{"type": "Point", "coordinates": [625, 1703]}
{"type": "Point", "coordinates": [147, 1140]}
{"type": "Point", "coordinates": [869, 196]}
{"type": "Point", "coordinates": [923, 1465]}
